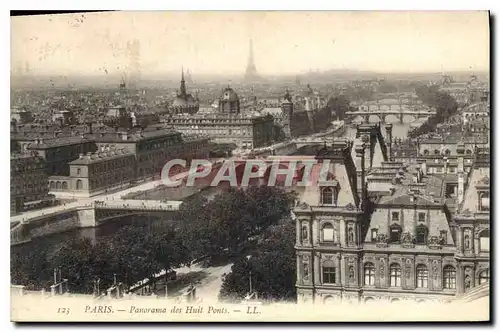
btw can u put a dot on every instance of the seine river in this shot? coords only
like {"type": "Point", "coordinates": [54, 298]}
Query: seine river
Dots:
{"type": "Point", "coordinates": [102, 232]}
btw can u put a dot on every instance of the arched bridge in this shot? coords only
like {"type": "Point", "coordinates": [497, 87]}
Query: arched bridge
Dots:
{"type": "Point", "coordinates": [108, 210]}
{"type": "Point", "coordinates": [384, 114]}
{"type": "Point", "coordinates": [137, 205]}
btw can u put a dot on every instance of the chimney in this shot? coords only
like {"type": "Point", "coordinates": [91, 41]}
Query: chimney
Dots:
{"type": "Point", "coordinates": [461, 187]}
{"type": "Point", "coordinates": [124, 136]}
{"type": "Point", "coordinates": [460, 157]}
{"type": "Point", "coordinates": [80, 156]}
{"type": "Point", "coordinates": [423, 165]}
{"type": "Point", "coordinates": [366, 142]}
{"type": "Point", "coordinates": [360, 169]}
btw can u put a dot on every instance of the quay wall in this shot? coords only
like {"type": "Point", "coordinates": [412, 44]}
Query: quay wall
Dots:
{"type": "Point", "coordinates": [85, 217]}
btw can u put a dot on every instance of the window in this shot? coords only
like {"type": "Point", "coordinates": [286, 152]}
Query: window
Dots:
{"type": "Point", "coordinates": [327, 196]}
{"type": "Point", "coordinates": [421, 217]}
{"type": "Point", "coordinates": [329, 274]}
{"type": "Point", "coordinates": [79, 185]}
{"type": "Point", "coordinates": [395, 216]}
{"type": "Point", "coordinates": [374, 234]}
{"type": "Point", "coordinates": [422, 276]}
{"type": "Point", "coordinates": [395, 275]}
{"type": "Point", "coordinates": [305, 269]}
{"type": "Point", "coordinates": [443, 237]}
{"type": "Point", "coordinates": [469, 152]}
{"type": "Point", "coordinates": [484, 241]}
{"type": "Point", "coordinates": [327, 232]}
{"type": "Point", "coordinates": [484, 202]}
{"type": "Point", "coordinates": [395, 235]}
{"type": "Point", "coordinates": [449, 277]}
{"type": "Point", "coordinates": [426, 152]}
{"type": "Point", "coordinates": [447, 152]}
{"type": "Point", "coordinates": [484, 276]}
{"type": "Point", "coordinates": [78, 171]}
{"type": "Point", "coordinates": [421, 234]}
{"type": "Point", "coordinates": [369, 272]}
{"type": "Point", "coordinates": [436, 151]}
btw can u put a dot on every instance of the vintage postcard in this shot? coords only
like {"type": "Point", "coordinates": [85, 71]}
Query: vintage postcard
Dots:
{"type": "Point", "coordinates": [250, 166]}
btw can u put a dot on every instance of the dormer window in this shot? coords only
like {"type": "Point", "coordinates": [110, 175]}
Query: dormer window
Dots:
{"type": "Point", "coordinates": [484, 202]}
{"type": "Point", "coordinates": [327, 196]}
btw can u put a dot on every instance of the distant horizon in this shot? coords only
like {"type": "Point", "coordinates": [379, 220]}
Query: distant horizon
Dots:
{"type": "Point", "coordinates": [174, 74]}
{"type": "Point", "coordinates": [217, 43]}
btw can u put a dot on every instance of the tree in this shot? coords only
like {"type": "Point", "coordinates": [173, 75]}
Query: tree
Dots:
{"type": "Point", "coordinates": [444, 104]}
{"type": "Point", "coordinates": [272, 267]}
{"type": "Point", "coordinates": [228, 221]}
{"type": "Point", "coordinates": [82, 262]}
{"type": "Point", "coordinates": [142, 254]}
{"type": "Point", "coordinates": [31, 268]}
{"type": "Point", "coordinates": [339, 105]}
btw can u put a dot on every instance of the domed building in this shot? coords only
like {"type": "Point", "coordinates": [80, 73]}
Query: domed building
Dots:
{"type": "Point", "coordinates": [229, 101]}
{"type": "Point", "coordinates": [184, 102]}
{"type": "Point", "coordinates": [227, 125]}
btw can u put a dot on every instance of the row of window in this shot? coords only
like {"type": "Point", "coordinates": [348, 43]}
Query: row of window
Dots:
{"type": "Point", "coordinates": [421, 216]}
{"type": "Point", "coordinates": [447, 152]}
{"type": "Point", "coordinates": [330, 234]}
{"type": "Point", "coordinates": [421, 276]}
{"type": "Point", "coordinates": [220, 132]}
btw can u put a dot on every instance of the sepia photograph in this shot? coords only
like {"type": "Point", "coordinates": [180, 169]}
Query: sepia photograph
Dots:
{"type": "Point", "coordinates": [250, 166]}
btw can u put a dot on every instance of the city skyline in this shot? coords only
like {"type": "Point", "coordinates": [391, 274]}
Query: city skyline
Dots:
{"type": "Point", "coordinates": [389, 42]}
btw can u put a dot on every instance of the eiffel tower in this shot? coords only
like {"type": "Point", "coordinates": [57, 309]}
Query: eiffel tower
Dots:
{"type": "Point", "coordinates": [251, 72]}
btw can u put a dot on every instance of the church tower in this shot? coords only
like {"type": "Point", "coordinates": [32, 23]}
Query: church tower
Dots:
{"type": "Point", "coordinates": [182, 91]}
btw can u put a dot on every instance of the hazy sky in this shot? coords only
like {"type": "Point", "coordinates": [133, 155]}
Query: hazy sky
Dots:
{"type": "Point", "coordinates": [284, 42]}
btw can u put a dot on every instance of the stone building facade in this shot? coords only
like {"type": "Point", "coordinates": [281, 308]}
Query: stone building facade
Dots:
{"type": "Point", "coordinates": [396, 241]}
{"type": "Point", "coordinates": [28, 181]}
{"type": "Point", "coordinates": [58, 152]}
{"type": "Point", "coordinates": [246, 130]}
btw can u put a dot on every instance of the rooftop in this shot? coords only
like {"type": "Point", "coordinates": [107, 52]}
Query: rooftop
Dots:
{"type": "Point", "coordinates": [58, 142]}
{"type": "Point", "coordinates": [91, 158]}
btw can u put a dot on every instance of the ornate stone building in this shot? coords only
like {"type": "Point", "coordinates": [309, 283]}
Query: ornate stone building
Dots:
{"type": "Point", "coordinates": [305, 114]}
{"type": "Point", "coordinates": [246, 130]}
{"type": "Point", "coordinates": [472, 227]}
{"type": "Point", "coordinates": [331, 222]}
{"type": "Point", "coordinates": [184, 102]}
{"type": "Point", "coordinates": [395, 239]}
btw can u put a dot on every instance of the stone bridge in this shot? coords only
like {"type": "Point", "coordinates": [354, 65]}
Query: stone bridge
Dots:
{"type": "Point", "coordinates": [382, 115]}
{"type": "Point", "coordinates": [83, 214]}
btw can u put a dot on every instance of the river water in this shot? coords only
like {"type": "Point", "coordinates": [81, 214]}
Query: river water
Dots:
{"type": "Point", "coordinates": [104, 231]}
